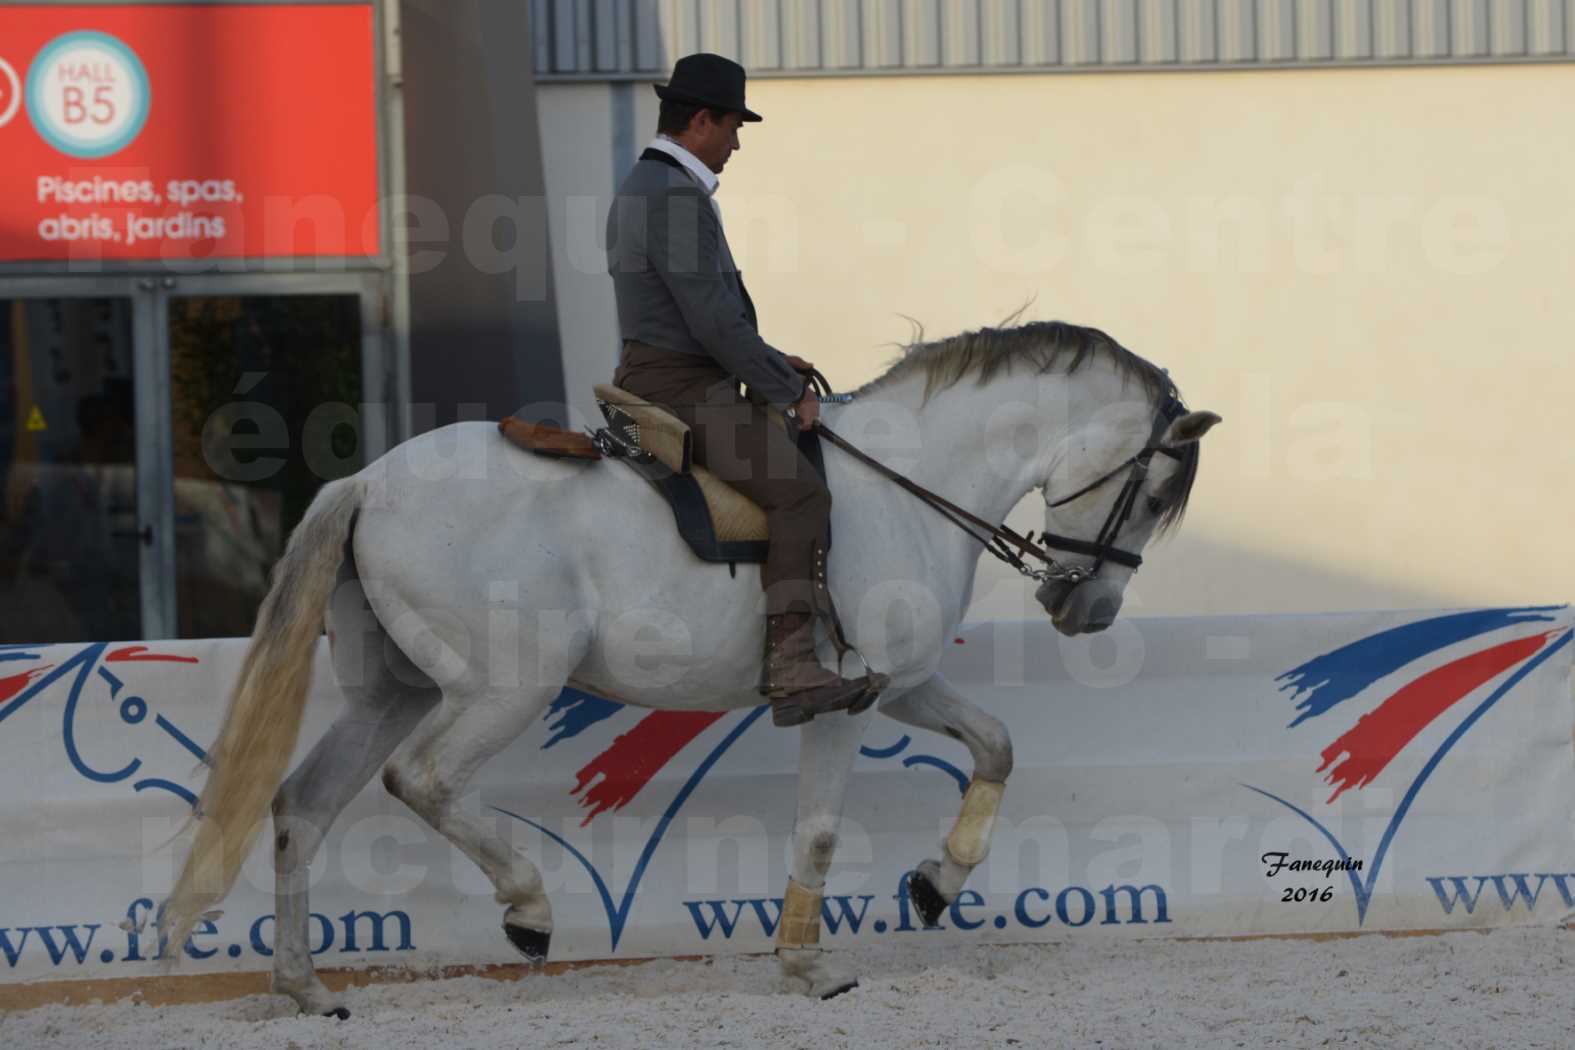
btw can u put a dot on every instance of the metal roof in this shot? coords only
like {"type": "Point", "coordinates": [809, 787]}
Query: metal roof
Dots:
{"type": "Point", "coordinates": [639, 39]}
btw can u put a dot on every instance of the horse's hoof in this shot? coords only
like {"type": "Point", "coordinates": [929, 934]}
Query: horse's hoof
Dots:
{"type": "Point", "coordinates": [819, 975]}
{"type": "Point", "coordinates": [312, 998]}
{"type": "Point", "coordinates": [531, 943]}
{"type": "Point", "coordinates": [848, 987]}
{"type": "Point", "coordinates": [926, 898]}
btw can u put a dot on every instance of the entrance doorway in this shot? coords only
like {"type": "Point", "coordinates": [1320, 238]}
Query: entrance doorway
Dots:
{"type": "Point", "coordinates": [70, 564]}
{"type": "Point", "coordinates": [160, 437]}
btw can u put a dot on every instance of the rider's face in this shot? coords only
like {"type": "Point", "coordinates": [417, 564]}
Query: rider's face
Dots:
{"type": "Point", "coordinates": [717, 140]}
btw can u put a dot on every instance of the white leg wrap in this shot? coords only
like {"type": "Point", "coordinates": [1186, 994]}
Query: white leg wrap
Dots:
{"type": "Point", "coordinates": [800, 925]}
{"type": "Point", "coordinates": [969, 842]}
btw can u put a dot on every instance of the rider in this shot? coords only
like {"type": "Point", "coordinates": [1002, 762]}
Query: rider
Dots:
{"type": "Point", "coordinates": [690, 337]}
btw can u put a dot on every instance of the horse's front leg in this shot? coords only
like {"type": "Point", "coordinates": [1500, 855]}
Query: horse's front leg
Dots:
{"type": "Point", "coordinates": [826, 749]}
{"type": "Point", "coordinates": [935, 705]}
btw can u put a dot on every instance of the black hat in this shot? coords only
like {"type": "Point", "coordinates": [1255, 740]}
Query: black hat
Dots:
{"type": "Point", "coordinates": [705, 79]}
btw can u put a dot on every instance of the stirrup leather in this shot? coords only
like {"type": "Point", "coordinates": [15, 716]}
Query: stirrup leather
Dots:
{"type": "Point", "coordinates": [824, 606]}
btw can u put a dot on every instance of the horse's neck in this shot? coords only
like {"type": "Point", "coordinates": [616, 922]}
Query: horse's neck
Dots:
{"type": "Point", "coordinates": [942, 445]}
{"type": "Point", "coordinates": [945, 446]}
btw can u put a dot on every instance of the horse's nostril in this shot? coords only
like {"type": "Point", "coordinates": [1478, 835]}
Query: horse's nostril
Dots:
{"type": "Point", "coordinates": [1102, 613]}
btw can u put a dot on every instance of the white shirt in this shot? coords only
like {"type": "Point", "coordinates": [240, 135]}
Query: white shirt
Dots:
{"type": "Point", "coordinates": [692, 164]}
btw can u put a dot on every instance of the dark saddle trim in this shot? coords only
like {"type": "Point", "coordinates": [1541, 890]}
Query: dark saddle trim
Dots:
{"type": "Point", "coordinates": [693, 516]}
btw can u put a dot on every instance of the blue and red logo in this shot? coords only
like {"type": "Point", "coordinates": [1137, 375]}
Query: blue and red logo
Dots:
{"type": "Point", "coordinates": [1396, 676]}
{"type": "Point", "coordinates": [613, 778]}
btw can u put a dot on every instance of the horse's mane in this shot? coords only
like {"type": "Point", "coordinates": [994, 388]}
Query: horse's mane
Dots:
{"type": "Point", "coordinates": [1039, 347]}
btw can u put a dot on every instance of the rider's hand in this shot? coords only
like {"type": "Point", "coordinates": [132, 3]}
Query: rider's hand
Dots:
{"type": "Point", "coordinates": [808, 410]}
{"type": "Point", "coordinates": [798, 363]}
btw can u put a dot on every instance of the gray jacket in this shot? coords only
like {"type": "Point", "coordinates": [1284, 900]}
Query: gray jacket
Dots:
{"type": "Point", "coordinates": [677, 285]}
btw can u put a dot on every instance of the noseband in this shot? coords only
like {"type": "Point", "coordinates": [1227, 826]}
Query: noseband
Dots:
{"type": "Point", "coordinates": [999, 540]}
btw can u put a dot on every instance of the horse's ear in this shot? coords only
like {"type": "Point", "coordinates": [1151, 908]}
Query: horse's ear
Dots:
{"type": "Point", "coordinates": [1189, 428]}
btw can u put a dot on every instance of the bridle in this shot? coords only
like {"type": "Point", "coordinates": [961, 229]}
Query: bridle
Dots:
{"type": "Point", "coordinates": [1000, 540]}
{"type": "Point", "coordinates": [1103, 548]}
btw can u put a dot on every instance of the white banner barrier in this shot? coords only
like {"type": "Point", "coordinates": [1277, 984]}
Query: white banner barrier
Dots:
{"type": "Point", "coordinates": [1177, 777]}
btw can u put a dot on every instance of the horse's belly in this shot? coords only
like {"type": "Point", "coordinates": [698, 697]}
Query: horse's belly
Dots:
{"type": "Point", "coordinates": [676, 659]}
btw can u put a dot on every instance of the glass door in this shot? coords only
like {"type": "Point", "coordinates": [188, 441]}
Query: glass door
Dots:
{"type": "Point", "coordinates": [160, 437]}
{"type": "Point", "coordinates": [70, 550]}
{"type": "Point", "coordinates": [276, 387]}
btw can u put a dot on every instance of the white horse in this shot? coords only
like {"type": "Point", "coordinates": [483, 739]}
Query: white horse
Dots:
{"type": "Point", "coordinates": [465, 583]}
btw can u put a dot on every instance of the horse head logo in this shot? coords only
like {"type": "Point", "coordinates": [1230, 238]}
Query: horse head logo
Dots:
{"type": "Point", "coordinates": [95, 677]}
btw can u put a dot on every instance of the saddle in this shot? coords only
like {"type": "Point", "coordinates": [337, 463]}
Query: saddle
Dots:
{"type": "Point", "coordinates": [719, 523]}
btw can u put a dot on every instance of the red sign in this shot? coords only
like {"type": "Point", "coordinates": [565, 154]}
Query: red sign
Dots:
{"type": "Point", "coordinates": [186, 131]}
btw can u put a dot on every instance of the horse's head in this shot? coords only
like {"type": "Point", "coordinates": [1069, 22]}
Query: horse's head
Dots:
{"type": "Point", "coordinates": [1129, 482]}
{"type": "Point", "coordinates": [1108, 442]}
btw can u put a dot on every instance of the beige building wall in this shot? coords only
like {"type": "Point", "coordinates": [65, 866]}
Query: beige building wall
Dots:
{"type": "Point", "coordinates": [1369, 273]}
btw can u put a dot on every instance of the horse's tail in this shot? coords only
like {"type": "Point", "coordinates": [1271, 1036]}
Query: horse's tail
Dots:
{"type": "Point", "coordinates": [264, 717]}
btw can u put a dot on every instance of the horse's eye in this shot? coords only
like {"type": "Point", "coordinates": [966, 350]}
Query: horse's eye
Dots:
{"type": "Point", "coordinates": [1155, 506]}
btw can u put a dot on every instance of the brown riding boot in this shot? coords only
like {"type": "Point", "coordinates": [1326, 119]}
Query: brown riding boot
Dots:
{"type": "Point", "coordinates": [797, 686]}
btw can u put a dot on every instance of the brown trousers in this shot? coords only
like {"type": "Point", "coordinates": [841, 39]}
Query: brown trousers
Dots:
{"type": "Point", "coordinates": [741, 444]}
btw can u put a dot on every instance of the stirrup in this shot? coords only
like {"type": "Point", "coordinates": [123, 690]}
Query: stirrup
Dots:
{"type": "Point", "coordinates": [875, 683]}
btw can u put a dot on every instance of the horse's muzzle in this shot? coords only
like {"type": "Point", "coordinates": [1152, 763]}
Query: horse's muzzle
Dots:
{"type": "Point", "coordinates": [1052, 594]}
{"type": "Point", "coordinates": [1080, 608]}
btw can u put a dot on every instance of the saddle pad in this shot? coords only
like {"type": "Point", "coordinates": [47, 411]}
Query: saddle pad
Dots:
{"type": "Point", "coordinates": [717, 521]}
{"type": "Point", "coordinates": [693, 502]}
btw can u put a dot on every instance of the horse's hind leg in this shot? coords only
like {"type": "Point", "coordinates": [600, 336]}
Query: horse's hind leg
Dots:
{"type": "Point", "coordinates": [936, 706]}
{"type": "Point", "coordinates": [430, 772]}
{"type": "Point", "coordinates": [386, 698]}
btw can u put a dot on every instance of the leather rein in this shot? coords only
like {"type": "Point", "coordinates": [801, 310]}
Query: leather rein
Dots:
{"type": "Point", "coordinates": [1000, 540]}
